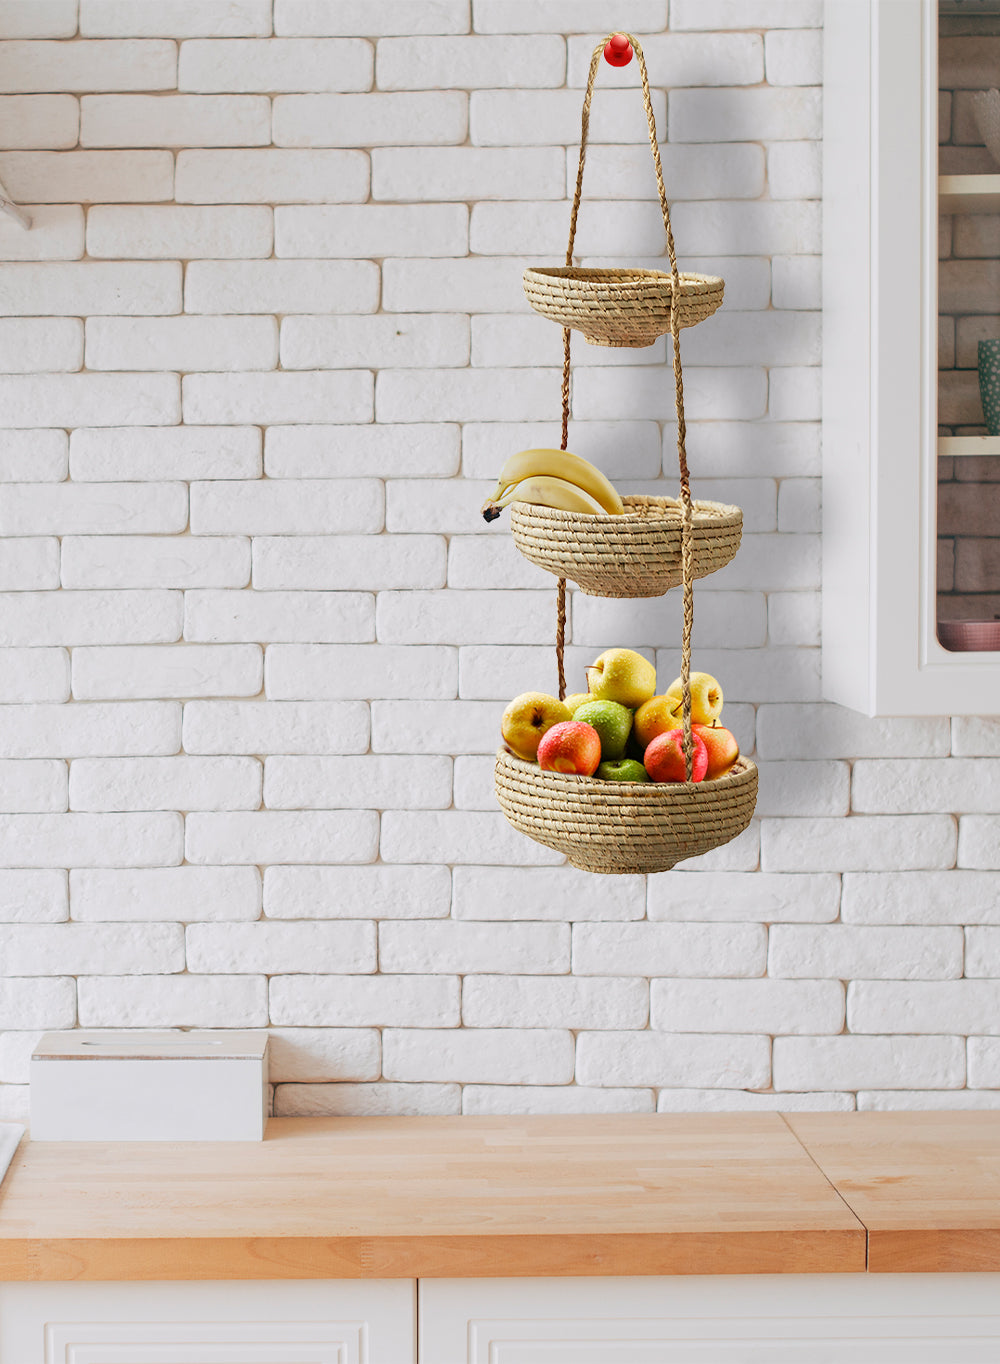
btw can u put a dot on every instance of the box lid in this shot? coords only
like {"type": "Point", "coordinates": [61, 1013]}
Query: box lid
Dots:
{"type": "Point", "coordinates": [221, 1045]}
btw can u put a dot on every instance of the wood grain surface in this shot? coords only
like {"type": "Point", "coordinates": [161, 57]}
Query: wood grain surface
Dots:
{"type": "Point", "coordinates": [925, 1185]}
{"type": "Point", "coordinates": [432, 1197]}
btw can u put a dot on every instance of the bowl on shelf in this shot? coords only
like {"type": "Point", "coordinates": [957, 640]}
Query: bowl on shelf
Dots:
{"type": "Point", "coordinates": [626, 307]}
{"type": "Point", "coordinates": [969, 636]}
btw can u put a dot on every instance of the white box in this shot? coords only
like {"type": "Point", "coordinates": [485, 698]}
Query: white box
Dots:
{"type": "Point", "coordinates": [156, 1086]}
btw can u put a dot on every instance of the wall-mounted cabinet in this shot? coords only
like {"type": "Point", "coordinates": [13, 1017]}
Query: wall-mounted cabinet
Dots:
{"type": "Point", "coordinates": [886, 582]}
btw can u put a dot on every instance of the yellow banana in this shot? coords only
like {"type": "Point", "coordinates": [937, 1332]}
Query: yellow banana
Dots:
{"type": "Point", "coordinates": [545, 491]}
{"type": "Point", "coordinates": [559, 464]}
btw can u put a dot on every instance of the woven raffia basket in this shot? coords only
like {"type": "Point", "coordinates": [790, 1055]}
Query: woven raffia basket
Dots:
{"type": "Point", "coordinates": [622, 827]}
{"type": "Point", "coordinates": [635, 555]}
{"type": "Point", "coordinates": [619, 307]}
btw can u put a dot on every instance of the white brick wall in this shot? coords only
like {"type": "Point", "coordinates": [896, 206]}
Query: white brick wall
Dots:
{"type": "Point", "coordinates": [262, 354]}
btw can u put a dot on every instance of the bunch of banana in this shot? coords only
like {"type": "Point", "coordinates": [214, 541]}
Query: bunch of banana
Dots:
{"type": "Point", "coordinates": [553, 478]}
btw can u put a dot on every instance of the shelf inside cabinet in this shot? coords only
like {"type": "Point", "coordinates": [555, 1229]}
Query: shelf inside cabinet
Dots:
{"type": "Point", "coordinates": [968, 445]}
{"type": "Point", "coordinates": [969, 193]}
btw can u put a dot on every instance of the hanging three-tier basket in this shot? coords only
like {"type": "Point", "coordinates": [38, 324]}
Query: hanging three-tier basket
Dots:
{"type": "Point", "coordinates": [659, 543]}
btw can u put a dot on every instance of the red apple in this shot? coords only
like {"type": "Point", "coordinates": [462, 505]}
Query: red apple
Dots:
{"type": "Point", "coordinates": [664, 758]}
{"type": "Point", "coordinates": [723, 750]}
{"type": "Point", "coordinates": [570, 746]}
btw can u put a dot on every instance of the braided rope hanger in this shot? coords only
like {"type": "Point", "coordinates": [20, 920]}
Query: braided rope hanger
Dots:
{"type": "Point", "coordinates": [687, 545]}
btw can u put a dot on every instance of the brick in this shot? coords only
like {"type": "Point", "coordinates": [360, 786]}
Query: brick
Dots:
{"type": "Point", "coordinates": [734, 449]}
{"type": "Point", "coordinates": [914, 785]}
{"type": "Point", "coordinates": [799, 505]}
{"type": "Point", "coordinates": [377, 892]}
{"type": "Point", "coordinates": [766, 1006]}
{"type": "Point", "coordinates": [462, 395]}
{"type": "Point", "coordinates": [120, 840]}
{"type": "Point", "coordinates": [33, 618]}
{"type": "Point", "coordinates": [85, 949]}
{"type": "Point", "coordinates": [743, 1101]}
{"type": "Point", "coordinates": [15, 1051]}
{"type": "Point", "coordinates": [457, 836]}
{"type": "Point", "coordinates": [975, 736]}
{"type": "Point", "coordinates": [742, 115]}
{"type": "Point", "coordinates": [83, 399]}
{"type": "Point", "coordinates": [92, 287]}
{"type": "Point", "coordinates": [669, 950]}
{"type": "Point", "coordinates": [175, 121]}
{"type": "Point", "coordinates": [125, 64]}
{"type": "Point", "coordinates": [863, 843]}
{"type": "Point", "coordinates": [712, 14]}
{"type": "Point", "coordinates": [751, 674]}
{"type": "Point", "coordinates": [623, 449]}
{"type": "Point", "coordinates": [844, 952]}
{"type": "Point", "coordinates": [806, 1063]}
{"type": "Point", "coordinates": [444, 505]}
{"type": "Point", "coordinates": [32, 787]}
{"type": "Point", "coordinates": [33, 457]}
{"type": "Point", "coordinates": [530, 1002]}
{"type": "Point", "coordinates": [483, 561]}
{"type": "Point", "coordinates": [924, 1006]}
{"type": "Point", "coordinates": [86, 729]}
{"type": "Point", "coordinates": [479, 1055]}
{"type": "Point", "coordinates": [391, 16]}
{"type": "Point", "coordinates": [275, 64]}
{"type": "Point", "coordinates": [275, 727]}
{"type": "Point", "coordinates": [385, 340]}
{"type": "Point", "coordinates": [349, 562]}
{"type": "Point", "coordinates": [796, 282]}
{"type": "Point", "coordinates": [505, 340]}
{"type": "Point", "coordinates": [733, 896]}
{"type": "Point", "coordinates": [740, 854]}
{"type": "Point", "coordinates": [347, 947]}
{"type": "Point", "coordinates": [153, 231]}
{"type": "Point", "coordinates": [370, 120]}
{"type": "Point", "coordinates": [463, 173]}
{"type": "Point", "coordinates": [366, 1001]}
{"type": "Point", "coordinates": [33, 897]}
{"type": "Point", "coordinates": [178, 452]}
{"type": "Point", "coordinates": [463, 617]}
{"type": "Point", "coordinates": [466, 948]}
{"type": "Point", "coordinates": [264, 398]}
{"type": "Point", "coordinates": [735, 620]}
{"type": "Point", "coordinates": [181, 783]}
{"type": "Point", "coordinates": [75, 177]}
{"type": "Point", "coordinates": [525, 118]}
{"type": "Point", "coordinates": [318, 1054]}
{"type": "Point", "coordinates": [566, 16]}
{"type": "Point", "coordinates": [730, 172]}
{"type": "Point", "coordinates": [303, 508]}
{"type": "Point", "coordinates": [269, 176]}
{"type": "Point", "coordinates": [750, 229]}
{"type": "Point", "coordinates": [497, 672]}
{"type": "Point", "coordinates": [982, 951]}
{"type": "Point", "coordinates": [34, 674]}
{"type": "Point", "coordinates": [322, 672]}
{"type": "Point", "coordinates": [206, 893]}
{"type": "Point", "coordinates": [337, 451]}
{"type": "Point", "coordinates": [622, 225]}
{"type": "Point", "coordinates": [975, 238]}
{"type": "Point", "coordinates": [143, 561]}
{"type": "Point", "coordinates": [176, 18]}
{"type": "Point", "coordinates": [370, 230]}
{"type": "Point", "coordinates": [38, 18]}
{"type": "Point", "coordinates": [520, 1099]}
{"type": "Point", "coordinates": [828, 731]}
{"type": "Point", "coordinates": [475, 283]}
{"type": "Point", "coordinates": [770, 338]}
{"type": "Point", "coordinates": [647, 1058]}
{"type": "Point", "coordinates": [545, 893]}
{"type": "Point", "coordinates": [408, 783]}
{"type": "Point", "coordinates": [419, 63]}
{"type": "Point", "coordinates": [928, 1099]}
{"type": "Point", "coordinates": [794, 57]}
{"type": "Point", "coordinates": [367, 1100]}
{"type": "Point", "coordinates": [979, 841]}
{"type": "Point", "coordinates": [966, 61]}
{"type": "Point", "coordinates": [282, 836]}
{"type": "Point", "coordinates": [57, 233]}
{"type": "Point", "coordinates": [29, 563]}
{"type": "Point", "coordinates": [281, 286]}
{"type": "Point", "coordinates": [738, 394]}
{"type": "Point", "coordinates": [679, 60]}
{"type": "Point", "coordinates": [340, 617]}
{"type": "Point", "coordinates": [35, 1003]}
{"type": "Point", "coordinates": [183, 671]}
{"type": "Point", "coordinates": [48, 121]}
{"type": "Point", "coordinates": [206, 343]}
{"type": "Point", "coordinates": [184, 1001]}
{"type": "Point", "coordinates": [434, 726]}
{"type": "Point", "coordinates": [984, 1063]}
{"type": "Point", "coordinates": [803, 788]}
{"type": "Point", "coordinates": [30, 344]}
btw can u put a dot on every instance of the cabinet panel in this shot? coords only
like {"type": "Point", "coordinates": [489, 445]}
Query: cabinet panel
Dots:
{"type": "Point", "coordinates": [311, 1322]}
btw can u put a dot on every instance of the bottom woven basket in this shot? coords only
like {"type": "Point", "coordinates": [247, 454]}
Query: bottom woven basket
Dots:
{"type": "Point", "coordinates": [622, 827]}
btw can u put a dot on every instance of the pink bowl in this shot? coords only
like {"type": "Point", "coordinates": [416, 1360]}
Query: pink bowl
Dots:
{"type": "Point", "coordinates": [969, 636]}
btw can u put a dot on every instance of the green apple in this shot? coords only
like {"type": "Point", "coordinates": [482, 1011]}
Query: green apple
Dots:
{"type": "Point", "coordinates": [613, 723]}
{"type": "Point", "coordinates": [622, 769]}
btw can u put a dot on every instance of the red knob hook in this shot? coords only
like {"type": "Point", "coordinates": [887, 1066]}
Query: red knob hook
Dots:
{"type": "Point", "coordinates": [618, 51]}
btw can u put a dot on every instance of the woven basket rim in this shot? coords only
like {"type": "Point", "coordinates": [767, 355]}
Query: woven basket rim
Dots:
{"type": "Point", "coordinates": [706, 513]}
{"type": "Point", "coordinates": [618, 275]}
{"type": "Point", "coordinates": [652, 792]}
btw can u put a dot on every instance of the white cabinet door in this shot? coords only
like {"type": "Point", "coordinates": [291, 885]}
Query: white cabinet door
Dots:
{"type": "Point", "coordinates": [766, 1319]}
{"type": "Point", "coordinates": [271, 1322]}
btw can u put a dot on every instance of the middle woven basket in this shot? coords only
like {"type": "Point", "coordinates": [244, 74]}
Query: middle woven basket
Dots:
{"type": "Point", "coordinates": [635, 555]}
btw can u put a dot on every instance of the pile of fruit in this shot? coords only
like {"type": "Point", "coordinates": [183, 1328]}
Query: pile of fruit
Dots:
{"type": "Point", "coordinates": [620, 729]}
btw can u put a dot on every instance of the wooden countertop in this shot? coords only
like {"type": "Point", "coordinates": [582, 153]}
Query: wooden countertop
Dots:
{"type": "Point", "coordinates": [529, 1196]}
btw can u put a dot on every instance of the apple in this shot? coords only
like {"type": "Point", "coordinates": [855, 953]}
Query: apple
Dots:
{"type": "Point", "coordinates": [613, 723]}
{"type": "Point", "coordinates": [570, 746]}
{"type": "Point", "coordinates": [656, 716]}
{"type": "Point", "coordinates": [622, 769]}
{"type": "Point", "coordinates": [622, 675]}
{"type": "Point", "coordinates": [527, 718]}
{"type": "Point", "coordinates": [575, 699]}
{"type": "Point", "coordinates": [706, 697]}
{"type": "Point", "coordinates": [723, 750]}
{"type": "Point", "coordinates": [664, 759]}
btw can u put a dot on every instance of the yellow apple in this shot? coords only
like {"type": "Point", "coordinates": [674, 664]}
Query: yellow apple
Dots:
{"type": "Point", "coordinates": [576, 698]}
{"type": "Point", "coordinates": [658, 715]}
{"type": "Point", "coordinates": [622, 675]}
{"type": "Point", "coordinates": [527, 718]}
{"type": "Point", "coordinates": [706, 697]}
